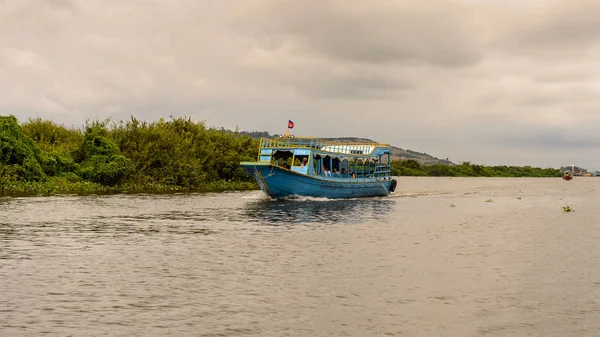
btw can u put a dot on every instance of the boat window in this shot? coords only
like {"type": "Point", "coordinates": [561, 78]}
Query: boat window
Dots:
{"type": "Point", "coordinates": [316, 162]}
{"type": "Point", "coordinates": [344, 172]}
{"type": "Point", "coordinates": [324, 166]}
{"type": "Point", "coordinates": [282, 157]}
{"type": "Point", "coordinates": [301, 161]}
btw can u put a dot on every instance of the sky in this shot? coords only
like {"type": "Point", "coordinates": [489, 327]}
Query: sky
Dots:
{"type": "Point", "coordinates": [492, 82]}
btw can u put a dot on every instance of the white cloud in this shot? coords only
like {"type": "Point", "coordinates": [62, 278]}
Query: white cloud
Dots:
{"type": "Point", "coordinates": [486, 81]}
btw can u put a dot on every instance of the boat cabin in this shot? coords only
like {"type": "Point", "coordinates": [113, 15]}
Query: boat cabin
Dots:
{"type": "Point", "coordinates": [328, 160]}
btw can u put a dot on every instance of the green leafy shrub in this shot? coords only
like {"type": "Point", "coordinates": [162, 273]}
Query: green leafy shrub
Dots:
{"type": "Point", "coordinates": [106, 170]}
{"type": "Point", "coordinates": [20, 151]}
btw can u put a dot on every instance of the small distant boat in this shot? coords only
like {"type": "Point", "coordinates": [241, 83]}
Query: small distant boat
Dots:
{"type": "Point", "coordinates": [567, 176]}
{"type": "Point", "coordinates": [295, 166]}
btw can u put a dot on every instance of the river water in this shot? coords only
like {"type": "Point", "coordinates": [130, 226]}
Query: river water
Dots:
{"type": "Point", "coordinates": [440, 257]}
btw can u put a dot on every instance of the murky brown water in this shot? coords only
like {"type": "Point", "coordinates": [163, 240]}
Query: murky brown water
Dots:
{"type": "Point", "coordinates": [235, 264]}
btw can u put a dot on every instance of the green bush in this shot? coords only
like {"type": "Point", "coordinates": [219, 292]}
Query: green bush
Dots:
{"type": "Point", "coordinates": [107, 170]}
{"type": "Point", "coordinates": [19, 150]}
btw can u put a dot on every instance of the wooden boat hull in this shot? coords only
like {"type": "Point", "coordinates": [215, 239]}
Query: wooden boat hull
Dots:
{"type": "Point", "coordinates": [279, 183]}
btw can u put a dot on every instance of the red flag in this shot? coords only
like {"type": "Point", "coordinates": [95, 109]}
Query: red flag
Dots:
{"type": "Point", "coordinates": [290, 124]}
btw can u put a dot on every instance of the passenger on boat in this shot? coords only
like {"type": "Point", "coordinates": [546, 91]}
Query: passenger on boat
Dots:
{"type": "Point", "coordinates": [304, 162]}
{"type": "Point", "coordinates": [326, 172]}
{"type": "Point", "coordinates": [343, 172]}
{"type": "Point", "coordinates": [336, 173]}
{"type": "Point", "coordinates": [352, 175]}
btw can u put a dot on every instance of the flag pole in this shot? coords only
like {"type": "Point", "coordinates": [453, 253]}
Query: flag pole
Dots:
{"type": "Point", "coordinates": [290, 127]}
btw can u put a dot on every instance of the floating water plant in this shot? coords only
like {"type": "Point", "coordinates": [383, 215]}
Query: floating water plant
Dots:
{"type": "Point", "coordinates": [489, 200]}
{"type": "Point", "coordinates": [518, 198]}
{"type": "Point", "coordinates": [568, 209]}
{"type": "Point", "coordinates": [452, 205]}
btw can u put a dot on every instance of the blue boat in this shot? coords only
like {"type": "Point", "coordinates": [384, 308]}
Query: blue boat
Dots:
{"type": "Point", "coordinates": [293, 166]}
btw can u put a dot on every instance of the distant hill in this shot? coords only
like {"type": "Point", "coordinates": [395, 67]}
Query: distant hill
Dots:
{"type": "Point", "coordinates": [397, 153]}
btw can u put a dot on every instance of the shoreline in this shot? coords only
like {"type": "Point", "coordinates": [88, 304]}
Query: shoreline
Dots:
{"type": "Point", "coordinates": [62, 187]}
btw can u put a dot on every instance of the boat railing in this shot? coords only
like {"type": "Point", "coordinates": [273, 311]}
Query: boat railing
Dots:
{"type": "Point", "coordinates": [382, 170]}
{"type": "Point", "coordinates": [379, 172]}
{"type": "Point", "coordinates": [291, 142]}
{"type": "Point", "coordinates": [314, 143]}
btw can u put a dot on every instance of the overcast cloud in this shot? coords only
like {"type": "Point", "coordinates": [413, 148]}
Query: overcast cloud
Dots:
{"type": "Point", "coordinates": [486, 81]}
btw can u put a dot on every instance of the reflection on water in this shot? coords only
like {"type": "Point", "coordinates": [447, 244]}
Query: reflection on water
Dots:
{"type": "Point", "coordinates": [321, 211]}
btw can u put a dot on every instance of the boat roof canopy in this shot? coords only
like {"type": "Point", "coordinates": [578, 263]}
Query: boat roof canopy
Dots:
{"type": "Point", "coordinates": [358, 149]}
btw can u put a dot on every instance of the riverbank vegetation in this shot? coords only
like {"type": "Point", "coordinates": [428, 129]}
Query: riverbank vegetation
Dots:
{"type": "Point", "coordinates": [43, 157]}
{"type": "Point", "coordinates": [127, 156]}
{"type": "Point", "coordinates": [466, 169]}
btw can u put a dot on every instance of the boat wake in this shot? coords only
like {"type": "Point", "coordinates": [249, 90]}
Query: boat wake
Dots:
{"type": "Point", "coordinates": [415, 194]}
{"type": "Point", "coordinates": [295, 198]}
{"type": "Point", "coordinates": [255, 195]}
